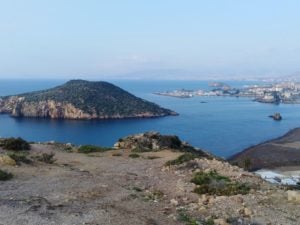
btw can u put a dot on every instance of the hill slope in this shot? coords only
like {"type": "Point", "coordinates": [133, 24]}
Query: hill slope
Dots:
{"type": "Point", "coordinates": [283, 151]}
{"type": "Point", "coordinates": [80, 99]}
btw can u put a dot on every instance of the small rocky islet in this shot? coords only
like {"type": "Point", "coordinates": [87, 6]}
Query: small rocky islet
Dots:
{"type": "Point", "coordinates": [146, 179]}
{"type": "Point", "coordinates": [80, 99]}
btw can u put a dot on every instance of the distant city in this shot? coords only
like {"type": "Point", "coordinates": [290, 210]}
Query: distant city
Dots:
{"type": "Point", "coordinates": [287, 92]}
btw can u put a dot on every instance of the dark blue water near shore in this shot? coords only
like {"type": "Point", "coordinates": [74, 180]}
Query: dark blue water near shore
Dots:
{"type": "Point", "coordinates": [223, 125]}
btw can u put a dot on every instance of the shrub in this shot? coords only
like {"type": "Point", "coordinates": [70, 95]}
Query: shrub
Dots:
{"type": "Point", "coordinates": [46, 158]}
{"type": "Point", "coordinates": [247, 164]}
{"type": "Point", "coordinates": [92, 148]}
{"type": "Point", "coordinates": [169, 141]}
{"type": "Point", "coordinates": [181, 159]}
{"type": "Point", "coordinates": [183, 217]}
{"type": "Point", "coordinates": [15, 144]}
{"type": "Point", "coordinates": [215, 184]}
{"type": "Point", "coordinates": [5, 175]}
{"type": "Point", "coordinates": [19, 157]}
{"type": "Point", "coordinates": [153, 157]}
{"type": "Point", "coordinates": [134, 155]}
{"type": "Point", "coordinates": [154, 196]}
{"type": "Point", "coordinates": [141, 149]}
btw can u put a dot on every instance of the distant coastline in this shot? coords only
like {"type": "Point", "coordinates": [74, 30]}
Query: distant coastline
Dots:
{"type": "Point", "coordinates": [283, 92]}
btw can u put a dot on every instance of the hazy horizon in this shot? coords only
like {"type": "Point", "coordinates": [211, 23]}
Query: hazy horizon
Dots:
{"type": "Point", "coordinates": [149, 40]}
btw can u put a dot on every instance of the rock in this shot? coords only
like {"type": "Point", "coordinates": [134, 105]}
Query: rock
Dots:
{"type": "Point", "coordinates": [238, 199]}
{"type": "Point", "coordinates": [154, 141]}
{"type": "Point", "coordinates": [220, 222]}
{"type": "Point", "coordinates": [247, 212]}
{"type": "Point", "coordinates": [293, 196]}
{"type": "Point", "coordinates": [174, 202]}
{"type": "Point", "coordinates": [203, 200]}
{"type": "Point", "coordinates": [276, 117]}
{"type": "Point", "coordinates": [6, 160]}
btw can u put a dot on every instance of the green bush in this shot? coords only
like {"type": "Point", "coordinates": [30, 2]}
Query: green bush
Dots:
{"type": "Point", "coordinates": [5, 175]}
{"type": "Point", "coordinates": [92, 148]}
{"type": "Point", "coordinates": [188, 220]}
{"type": "Point", "coordinates": [181, 159]}
{"type": "Point", "coordinates": [19, 157]}
{"type": "Point", "coordinates": [214, 184]}
{"type": "Point", "coordinates": [15, 144]}
{"type": "Point", "coordinates": [134, 155]}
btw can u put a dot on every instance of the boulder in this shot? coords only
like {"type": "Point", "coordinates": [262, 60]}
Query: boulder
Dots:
{"type": "Point", "coordinates": [293, 196]}
{"type": "Point", "coordinates": [6, 160]}
{"type": "Point", "coordinates": [220, 222]}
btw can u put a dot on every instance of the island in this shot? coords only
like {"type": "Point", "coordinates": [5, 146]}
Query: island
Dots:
{"type": "Point", "coordinates": [81, 99]}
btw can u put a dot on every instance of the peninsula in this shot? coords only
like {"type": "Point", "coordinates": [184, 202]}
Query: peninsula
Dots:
{"type": "Point", "coordinates": [280, 152]}
{"type": "Point", "coordinates": [80, 99]}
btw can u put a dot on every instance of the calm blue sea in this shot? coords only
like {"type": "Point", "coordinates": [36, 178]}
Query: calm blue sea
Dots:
{"type": "Point", "coordinates": [223, 125]}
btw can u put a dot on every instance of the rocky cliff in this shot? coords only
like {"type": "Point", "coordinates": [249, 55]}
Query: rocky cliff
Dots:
{"type": "Point", "coordinates": [79, 99]}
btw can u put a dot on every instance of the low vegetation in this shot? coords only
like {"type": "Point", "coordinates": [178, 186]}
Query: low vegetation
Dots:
{"type": "Point", "coordinates": [20, 157]}
{"type": "Point", "coordinates": [134, 155]}
{"type": "Point", "coordinates": [215, 184]}
{"type": "Point", "coordinates": [46, 158]}
{"type": "Point", "coordinates": [151, 157]}
{"type": "Point", "coordinates": [186, 157]}
{"type": "Point", "coordinates": [155, 195]}
{"type": "Point", "coordinates": [184, 217]}
{"type": "Point", "coordinates": [14, 144]}
{"type": "Point", "coordinates": [5, 175]}
{"type": "Point", "coordinates": [92, 148]}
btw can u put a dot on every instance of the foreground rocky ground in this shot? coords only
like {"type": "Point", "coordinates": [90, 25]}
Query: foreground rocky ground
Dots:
{"type": "Point", "coordinates": [119, 187]}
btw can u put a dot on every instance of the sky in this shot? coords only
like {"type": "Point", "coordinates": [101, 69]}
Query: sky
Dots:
{"type": "Point", "coordinates": [148, 38]}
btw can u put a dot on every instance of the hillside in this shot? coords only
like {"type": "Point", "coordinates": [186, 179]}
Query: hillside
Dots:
{"type": "Point", "coordinates": [56, 183]}
{"type": "Point", "coordinates": [79, 99]}
{"type": "Point", "coordinates": [282, 151]}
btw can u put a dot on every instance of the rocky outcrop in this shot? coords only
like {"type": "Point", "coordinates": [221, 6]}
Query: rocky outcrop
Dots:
{"type": "Point", "coordinates": [5, 160]}
{"type": "Point", "coordinates": [276, 116]}
{"type": "Point", "coordinates": [154, 141]}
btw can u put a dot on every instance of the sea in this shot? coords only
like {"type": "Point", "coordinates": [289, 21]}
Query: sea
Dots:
{"type": "Point", "coordinates": [220, 125]}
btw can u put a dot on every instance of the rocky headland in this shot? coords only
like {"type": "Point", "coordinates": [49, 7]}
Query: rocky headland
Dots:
{"type": "Point", "coordinates": [146, 179]}
{"type": "Point", "coordinates": [80, 99]}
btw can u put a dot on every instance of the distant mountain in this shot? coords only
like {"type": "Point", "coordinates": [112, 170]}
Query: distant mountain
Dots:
{"type": "Point", "coordinates": [80, 99]}
{"type": "Point", "coordinates": [282, 151]}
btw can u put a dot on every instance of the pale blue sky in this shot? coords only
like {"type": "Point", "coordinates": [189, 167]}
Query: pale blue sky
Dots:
{"type": "Point", "coordinates": [99, 39]}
